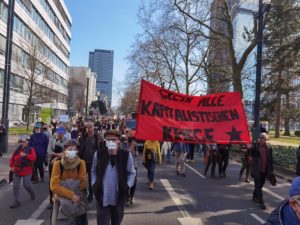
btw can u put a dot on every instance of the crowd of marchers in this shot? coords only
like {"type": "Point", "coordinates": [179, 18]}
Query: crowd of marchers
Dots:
{"type": "Point", "coordinates": [96, 161]}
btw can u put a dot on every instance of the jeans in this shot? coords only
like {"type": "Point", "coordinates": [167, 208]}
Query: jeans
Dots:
{"type": "Point", "coordinates": [180, 166]}
{"type": "Point", "coordinates": [88, 170]}
{"type": "Point", "coordinates": [258, 185]}
{"type": "Point", "coordinates": [26, 184]}
{"type": "Point", "coordinates": [110, 215]}
{"type": "Point", "coordinates": [151, 167]}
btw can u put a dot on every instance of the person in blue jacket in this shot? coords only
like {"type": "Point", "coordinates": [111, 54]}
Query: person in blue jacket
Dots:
{"type": "Point", "coordinates": [39, 141]}
{"type": "Point", "coordinates": [288, 212]}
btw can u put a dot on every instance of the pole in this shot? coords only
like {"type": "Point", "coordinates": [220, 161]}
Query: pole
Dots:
{"type": "Point", "coordinates": [256, 128]}
{"type": "Point", "coordinates": [87, 96]}
{"type": "Point", "coordinates": [7, 69]}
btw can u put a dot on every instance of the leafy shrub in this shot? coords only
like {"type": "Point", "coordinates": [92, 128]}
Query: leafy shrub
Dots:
{"type": "Point", "coordinates": [297, 133]}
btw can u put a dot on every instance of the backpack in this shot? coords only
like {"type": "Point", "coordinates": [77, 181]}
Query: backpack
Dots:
{"type": "Point", "coordinates": [62, 168]}
{"type": "Point", "coordinates": [24, 161]}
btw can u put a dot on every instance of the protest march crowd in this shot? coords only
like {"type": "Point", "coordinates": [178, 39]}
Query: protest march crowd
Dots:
{"type": "Point", "coordinates": [95, 160]}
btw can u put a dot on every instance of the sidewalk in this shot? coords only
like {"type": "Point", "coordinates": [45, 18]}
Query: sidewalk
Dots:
{"type": "Point", "coordinates": [4, 160]}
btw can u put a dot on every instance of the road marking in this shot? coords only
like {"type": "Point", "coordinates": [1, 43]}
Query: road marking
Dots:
{"type": "Point", "coordinates": [195, 171]}
{"type": "Point", "coordinates": [273, 194]}
{"type": "Point", "coordinates": [40, 209]}
{"type": "Point", "coordinates": [29, 222]}
{"type": "Point", "coordinates": [257, 218]}
{"type": "Point", "coordinates": [187, 220]}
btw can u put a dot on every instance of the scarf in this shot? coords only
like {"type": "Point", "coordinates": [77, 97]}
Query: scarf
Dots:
{"type": "Point", "coordinates": [290, 216]}
{"type": "Point", "coordinates": [70, 164]}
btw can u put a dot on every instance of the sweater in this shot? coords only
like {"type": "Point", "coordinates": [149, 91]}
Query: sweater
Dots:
{"type": "Point", "coordinates": [154, 147]}
{"type": "Point", "coordinates": [67, 174]}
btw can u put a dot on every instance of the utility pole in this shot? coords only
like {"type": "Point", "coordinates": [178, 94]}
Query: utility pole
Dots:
{"type": "Point", "coordinates": [261, 9]}
{"type": "Point", "coordinates": [87, 96]}
{"type": "Point", "coordinates": [7, 71]}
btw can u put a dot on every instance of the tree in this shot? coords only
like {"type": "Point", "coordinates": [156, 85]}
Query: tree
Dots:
{"type": "Point", "coordinates": [171, 52]}
{"type": "Point", "coordinates": [32, 63]}
{"type": "Point", "coordinates": [223, 37]}
{"type": "Point", "coordinates": [281, 59]}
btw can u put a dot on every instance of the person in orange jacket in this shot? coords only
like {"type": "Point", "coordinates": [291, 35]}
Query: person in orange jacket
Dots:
{"type": "Point", "coordinates": [21, 164]}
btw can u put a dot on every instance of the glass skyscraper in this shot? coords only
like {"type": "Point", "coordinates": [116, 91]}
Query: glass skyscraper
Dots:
{"type": "Point", "coordinates": [101, 62]}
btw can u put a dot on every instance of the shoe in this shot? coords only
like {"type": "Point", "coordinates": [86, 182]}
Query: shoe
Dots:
{"type": "Point", "coordinates": [183, 175]}
{"type": "Point", "coordinates": [255, 199]}
{"type": "Point", "coordinates": [32, 197]}
{"type": "Point", "coordinates": [177, 172]}
{"type": "Point", "coordinates": [262, 206]}
{"type": "Point", "coordinates": [131, 201]}
{"type": "Point", "coordinates": [150, 186]}
{"type": "Point", "coordinates": [247, 180]}
{"type": "Point", "coordinates": [15, 205]}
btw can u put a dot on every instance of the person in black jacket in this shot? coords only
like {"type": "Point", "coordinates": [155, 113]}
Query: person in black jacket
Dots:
{"type": "Point", "coordinates": [262, 168]}
{"type": "Point", "coordinates": [298, 162]}
{"type": "Point", "coordinates": [113, 174]}
{"type": "Point", "coordinates": [288, 211]}
{"type": "Point", "coordinates": [89, 143]}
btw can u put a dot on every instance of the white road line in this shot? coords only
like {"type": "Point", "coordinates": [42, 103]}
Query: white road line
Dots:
{"type": "Point", "coordinates": [176, 199]}
{"type": "Point", "coordinates": [40, 209]}
{"type": "Point", "coordinates": [273, 194]}
{"type": "Point", "coordinates": [29, 222]}
{"type": "Point", "coordinates": [195, 171]}
{"type": "Point", "coordinates": [257, 218]}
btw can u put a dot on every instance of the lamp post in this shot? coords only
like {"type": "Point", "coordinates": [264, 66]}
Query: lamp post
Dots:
{"type": "Point", "coordinates": [262, 8]}
{"type": "Point", "coordinates": [6, 83]}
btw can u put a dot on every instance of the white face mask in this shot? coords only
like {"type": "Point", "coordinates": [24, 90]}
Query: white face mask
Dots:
{"type": "Point", "coordinates": [71, 154]}
{"type": "Point", "coordinates": [111, 145]}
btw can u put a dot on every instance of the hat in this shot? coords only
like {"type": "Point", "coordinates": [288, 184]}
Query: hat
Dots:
{"type": "Point", "coordinates": [112, 132]}
{"type": "Point", "coordinates": [37, 125]}
{"type": "Point", "coordinates": [295, 187]}
{"type": "Point", "coordinates": [71, 142]}
{"type": "Point", "coordinates": [23, 138]}
{"type": "Point", "coordinates": [60, 130]}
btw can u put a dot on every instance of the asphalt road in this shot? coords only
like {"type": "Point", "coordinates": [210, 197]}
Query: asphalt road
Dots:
{"type": "Point", "coordinates": [175, 200]}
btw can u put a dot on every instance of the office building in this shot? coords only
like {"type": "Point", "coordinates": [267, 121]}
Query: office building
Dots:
{"type": "Point", "coordinates": [43, 25]}
{"type": "Point", "coordinates": [101, 62]}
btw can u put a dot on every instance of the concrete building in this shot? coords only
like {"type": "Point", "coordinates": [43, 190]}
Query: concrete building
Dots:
{"type": "Point", "coordinates": [45, 24]}
{"type": "Point", "coordinates": [79, 76]}
{"type": "Point", "coordinates": [101, 62]}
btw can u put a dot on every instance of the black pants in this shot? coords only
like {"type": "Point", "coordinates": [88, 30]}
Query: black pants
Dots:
{"type": "Point", "coordinates": [110, 215]}
{"type": "Point", "coordinates": [223, 163]}
{"type": "Point", "coordinates": [191, 152]}
{"type": "Point", "coordinates": [259, 182]}
{"type": "Point", "coordinates": [211, 160]}
{"type": "Point", "coordinates": [88, 170]}
{"type": "Point", "coordinates": [38, 167]}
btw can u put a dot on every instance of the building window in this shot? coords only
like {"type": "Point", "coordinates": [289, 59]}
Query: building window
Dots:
{"type": "Point", "coordinates": [3, 11]}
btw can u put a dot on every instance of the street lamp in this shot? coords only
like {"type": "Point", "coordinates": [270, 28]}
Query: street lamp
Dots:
{"type": "Point", "coordinates": [262, 8]}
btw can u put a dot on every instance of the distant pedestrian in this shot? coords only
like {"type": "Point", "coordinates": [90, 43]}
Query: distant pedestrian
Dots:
{"type": "Point", "coordinates": [298, 162]}
{"type": "Point", "coordinates": [132, 148]}
{"type": "Point", "coordinates": [288, 211]}
{"type": "Point", "coordinates": [3, 132]}
{"type": "Point", "coordinates": [223, 159]}
{"type": "Point", "coordinates": [246, 161]}
{"type": "Point", "coordinates": [151, 157]}
{"type": "Point", "coordinates": [181, 150]}
{"type": "Point", "coordinates": [39, 141]}
{"type": "Point", "coordinates": [212, 160]}
{"type": "Point", "coordinates": [166, 151]}
{"type": "Point", "coordinates": [262, 168]}
{"type": "Point", "coordinates": [112, 174]}
{"type": "Point", "coordinates": [191, 152]}
{"type": "Point", "coordinates": [21, 164]}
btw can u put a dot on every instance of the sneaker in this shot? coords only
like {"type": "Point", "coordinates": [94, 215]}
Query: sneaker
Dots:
{"type": "Point", "coordinates": [247, 180]}
{"type": "Point", "coordinates": [262, 206]}
{"type": "Point", "coordinates": [177, 172]}
{"type": "Point", "coordinates": [15, 205]}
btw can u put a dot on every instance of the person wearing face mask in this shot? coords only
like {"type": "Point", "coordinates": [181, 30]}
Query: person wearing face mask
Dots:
{"type": "Point", "coordinates": [69, 167]}
{"type": "Point", "coordinates": [288, 211]}
{"type": "Point", "coordinates": [21, 164]}
{"type": "Point", "coordinates": [113, 174]}
{"type": "Point", "coordinates": [39, 141]}
{"type": "Point", "coordinates": [262, 168]}
{"type": "Point", "coordinates": [74, 132]}
{"type": "Point", "coordinates": [89, 143]}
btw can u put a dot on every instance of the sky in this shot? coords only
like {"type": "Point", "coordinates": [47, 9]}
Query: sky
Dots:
{"type": "Point", "coordinates": [103, 24]}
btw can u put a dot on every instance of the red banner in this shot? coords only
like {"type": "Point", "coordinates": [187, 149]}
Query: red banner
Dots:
{"type": "Point", "coordinates": [165, 115]}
